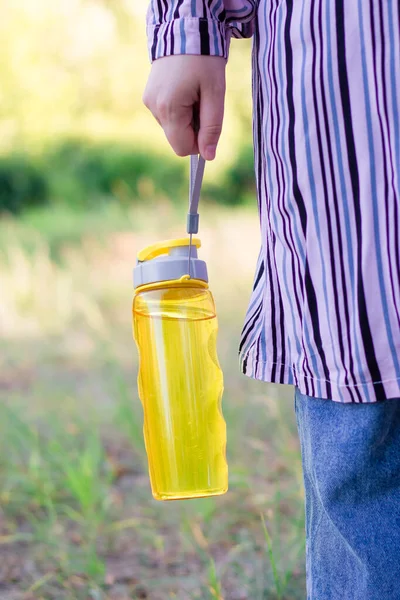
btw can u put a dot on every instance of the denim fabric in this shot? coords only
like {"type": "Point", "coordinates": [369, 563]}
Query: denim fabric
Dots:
{"type": "Point", "coordinates": [351, 467]}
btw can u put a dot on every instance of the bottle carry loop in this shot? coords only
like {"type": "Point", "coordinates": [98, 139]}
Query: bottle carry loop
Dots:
{"type": "Point", "coordinates": [197, 165]}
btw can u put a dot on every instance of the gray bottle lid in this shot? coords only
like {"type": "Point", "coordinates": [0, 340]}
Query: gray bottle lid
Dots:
{"type": "Point", "coordinates": [169, 260]}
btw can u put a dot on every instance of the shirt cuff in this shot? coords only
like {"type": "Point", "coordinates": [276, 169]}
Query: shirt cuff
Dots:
{"type": "Point", "coordinates": [192, 35]}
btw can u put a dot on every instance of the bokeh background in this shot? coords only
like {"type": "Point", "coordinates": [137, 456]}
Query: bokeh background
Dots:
{"type": "Point", "coordinates": [87, 179]}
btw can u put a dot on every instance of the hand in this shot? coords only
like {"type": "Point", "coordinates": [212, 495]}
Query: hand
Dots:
{"type": "Point", "coordinates": [182, 89]}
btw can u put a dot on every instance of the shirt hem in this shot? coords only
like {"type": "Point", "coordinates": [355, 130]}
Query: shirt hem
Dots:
{"type": "Point", "coordinates": [280, 373]}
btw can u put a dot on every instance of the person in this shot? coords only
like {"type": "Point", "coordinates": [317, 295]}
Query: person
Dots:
{"type": "Point", "coordinates": [325, 308]}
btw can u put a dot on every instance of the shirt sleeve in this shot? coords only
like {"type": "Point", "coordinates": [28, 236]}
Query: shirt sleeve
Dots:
{"type": "Point", "coordinates": [202, 27]}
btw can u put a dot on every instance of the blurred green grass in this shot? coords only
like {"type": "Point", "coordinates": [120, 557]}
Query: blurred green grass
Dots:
{"type": "Point", "coordinates": [86, 180]}
{"type": "Point", "coordinates": [82, 175]}
{"type": "Point", "coordinates": [74, 489]}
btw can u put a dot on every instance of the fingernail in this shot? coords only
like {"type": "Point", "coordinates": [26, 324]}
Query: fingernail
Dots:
{"type": "Point", "coordinates": [210, 152]}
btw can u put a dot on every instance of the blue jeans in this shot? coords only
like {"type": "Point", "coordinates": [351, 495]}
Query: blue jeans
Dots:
{"type": "Point", "coordinates": [351, 467]}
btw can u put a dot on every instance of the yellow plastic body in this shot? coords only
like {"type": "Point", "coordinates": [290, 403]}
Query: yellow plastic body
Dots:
{"type": "Point", "coordinates": [180, 386]}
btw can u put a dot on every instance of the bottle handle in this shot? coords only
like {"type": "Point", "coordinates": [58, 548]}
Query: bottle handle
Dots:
{"type": "Point", "coordinates": [197, 165]}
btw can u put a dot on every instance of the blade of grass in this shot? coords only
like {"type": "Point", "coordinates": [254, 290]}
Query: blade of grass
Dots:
{"type": "Point", "coordinates": [214, 584]}
{"type": "Point", "coordinates": [271, 557]}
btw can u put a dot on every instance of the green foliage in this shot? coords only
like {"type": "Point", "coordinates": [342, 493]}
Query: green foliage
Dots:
{"type": "Point", "coordinates": [84, 174]}
{"type": "Point", "coordinates": [282, 574]}
{"type": "Point", "coordinates": [240, 180]}
{"type": "Point", "coordinates": [81, 173]}
{"type": "Point", "coordinates": [57, 477]}
{"type": "Point", "coordinates": [22, 184]}
{"type": "Point", "coordinates": [238, 185]}
{"type": "Point", "coordinates": [77, 70]}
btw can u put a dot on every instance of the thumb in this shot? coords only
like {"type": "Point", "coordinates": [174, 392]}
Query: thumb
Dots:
{"type": "Point", "coordinates": [211, 117]}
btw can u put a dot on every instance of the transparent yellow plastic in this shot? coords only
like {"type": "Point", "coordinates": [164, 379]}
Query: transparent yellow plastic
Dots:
{"type": "Point", "coordinates": [180, 386]}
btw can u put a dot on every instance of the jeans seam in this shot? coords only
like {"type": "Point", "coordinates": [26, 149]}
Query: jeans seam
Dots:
{"type": "Point", "coordinates": [326, 513]}
{"type": "Point", "coordinates": [309, 560]}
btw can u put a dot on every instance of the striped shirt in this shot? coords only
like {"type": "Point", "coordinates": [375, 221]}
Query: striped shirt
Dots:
{"type": "Point", "coordinates": [325, 309]}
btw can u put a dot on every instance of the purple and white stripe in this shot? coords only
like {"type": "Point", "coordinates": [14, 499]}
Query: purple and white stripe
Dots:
{"type": "Point", "coordinates": [325, 309]}
{"type": "Point", "coordinates": [197, 26]}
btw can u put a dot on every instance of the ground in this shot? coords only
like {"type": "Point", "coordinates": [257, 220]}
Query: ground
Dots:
{"type": "Point", "coordinates": [77, 519]}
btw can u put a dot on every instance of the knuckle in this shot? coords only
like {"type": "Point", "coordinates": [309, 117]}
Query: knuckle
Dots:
{"type": "Point", "coordinates": [215, 128]}
{"type": "Point", "coordinates": [186, 147]}
{"type": "Point", "coordinates": [212, 131]}
{"type": "Point", "coordinates": [180, 146]}
{"type": "Point", "coordinates": [163, 107]}
{"type": "Point", "coordinates": [181, 153]}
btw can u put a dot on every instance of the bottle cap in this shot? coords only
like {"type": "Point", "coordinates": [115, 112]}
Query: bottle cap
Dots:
{"type": "Point", "coordinates": [169, 260]}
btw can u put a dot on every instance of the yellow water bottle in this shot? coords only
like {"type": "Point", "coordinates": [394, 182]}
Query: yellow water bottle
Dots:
{"type": "Point", "coordinates": [180, 380]}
